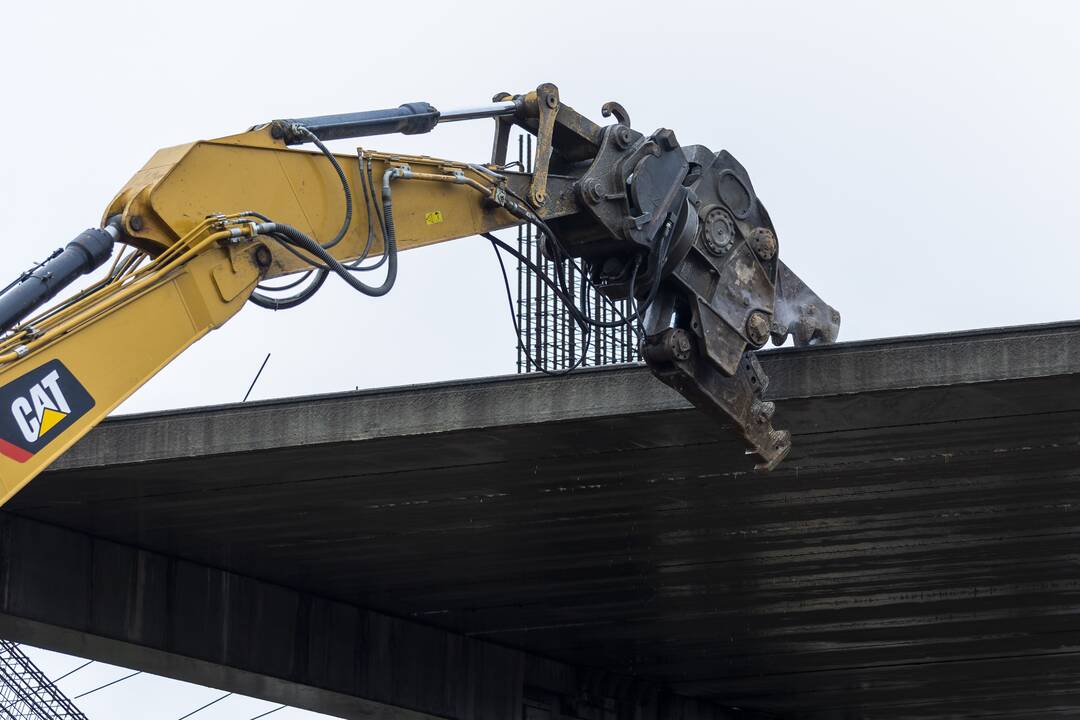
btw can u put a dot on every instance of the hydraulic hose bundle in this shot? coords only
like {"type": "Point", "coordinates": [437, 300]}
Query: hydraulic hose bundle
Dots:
{"type": "Point", "coordinates": [325, 263]}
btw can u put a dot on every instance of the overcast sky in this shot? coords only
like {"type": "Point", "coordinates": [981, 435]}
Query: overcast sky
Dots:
{"type": "Point", "coordinates": [918, 158]}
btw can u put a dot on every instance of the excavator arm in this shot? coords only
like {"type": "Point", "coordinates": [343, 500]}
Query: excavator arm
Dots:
{"type": "Point", "coordinates": [208, 226]}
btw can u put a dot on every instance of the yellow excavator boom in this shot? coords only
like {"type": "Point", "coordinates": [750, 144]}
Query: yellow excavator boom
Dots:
{"type": "Point", "coordinates": [677, 229]}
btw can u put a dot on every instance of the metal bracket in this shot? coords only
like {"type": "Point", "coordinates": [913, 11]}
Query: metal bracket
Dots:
{"type": "Point", "coordinates": [503, 125]}
{"type": "Point", "coordinates": [547, 101]}
{"type": "Point", "coordinates": [244, 266]}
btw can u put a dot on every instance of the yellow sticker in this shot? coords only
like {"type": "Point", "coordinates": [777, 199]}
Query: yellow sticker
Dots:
{"type": "Point", "coordinates": [433, 218]}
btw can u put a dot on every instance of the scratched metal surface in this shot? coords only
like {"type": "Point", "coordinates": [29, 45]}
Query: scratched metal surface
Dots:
{"type": "Point", "coordinates": [918, 555]}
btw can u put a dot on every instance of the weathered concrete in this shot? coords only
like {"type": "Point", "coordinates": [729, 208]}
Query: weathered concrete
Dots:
{"type": "Point", "coordinates": [913, 557]}
{"type": "Point", "coordinates": [845, 369]}
{"type": "Point", "coordinates": [93, 598]}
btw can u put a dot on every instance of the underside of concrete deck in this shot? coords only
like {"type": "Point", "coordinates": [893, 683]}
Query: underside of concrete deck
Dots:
{"type": "Point", "coordinates": [589, 546]}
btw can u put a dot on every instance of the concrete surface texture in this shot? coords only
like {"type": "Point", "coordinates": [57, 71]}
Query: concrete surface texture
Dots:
{"type": "Point", "coordinates": [589, 546]}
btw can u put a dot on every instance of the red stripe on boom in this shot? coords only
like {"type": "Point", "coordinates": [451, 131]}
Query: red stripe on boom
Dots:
{"type": "Point", "coordinates": [14, 452]}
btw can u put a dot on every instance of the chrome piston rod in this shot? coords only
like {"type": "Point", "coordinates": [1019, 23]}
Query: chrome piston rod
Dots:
{"type": "Point", "coordinates": [497, 109]}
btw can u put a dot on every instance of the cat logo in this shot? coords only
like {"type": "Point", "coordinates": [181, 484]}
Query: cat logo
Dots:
{"type": "Point", "coordinates": [37, 407]}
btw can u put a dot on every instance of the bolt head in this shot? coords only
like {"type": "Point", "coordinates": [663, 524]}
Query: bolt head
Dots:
{"type": "Point", "coordinates": [591, 192]}
{"type": "Point", "coordinates": [681, 345]}
{"type": "Point", "coordinates": [757, 328]}
{"type": "Point", "coordinates": [763, 242]}
{"type": "Point", "coordinates": [135, 222]}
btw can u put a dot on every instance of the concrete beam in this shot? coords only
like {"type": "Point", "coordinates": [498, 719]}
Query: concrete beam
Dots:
{"type": "Point", "coordinates": [879, 366]}
{"type": "Point", "coordinates": [73, 593]}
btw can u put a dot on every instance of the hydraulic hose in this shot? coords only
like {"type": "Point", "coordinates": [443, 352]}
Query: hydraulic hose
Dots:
{"type": "Point", "coordinates": [304, 132]}
{"type": "Point", "coordinates": [271, 303]}
{"type": "Point", "coordinates": [302, 241]}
